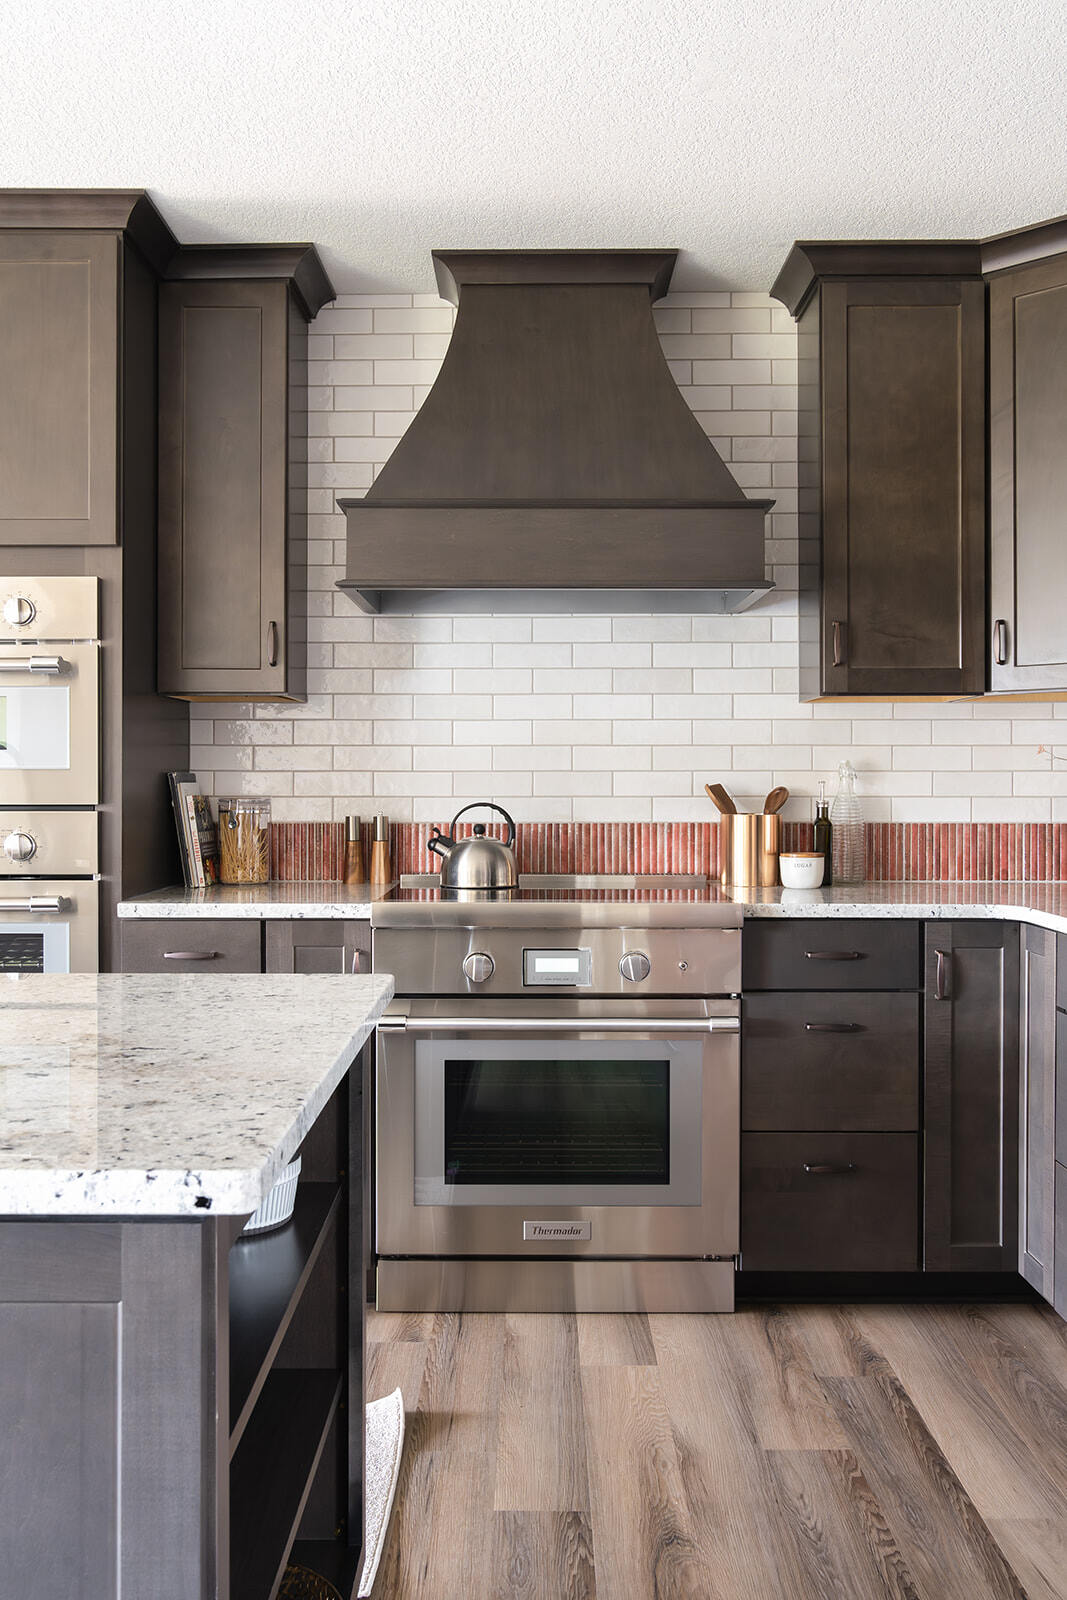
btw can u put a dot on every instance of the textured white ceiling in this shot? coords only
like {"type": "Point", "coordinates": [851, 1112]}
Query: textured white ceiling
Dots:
{"type": "Point", "coordinates": [379, 130]}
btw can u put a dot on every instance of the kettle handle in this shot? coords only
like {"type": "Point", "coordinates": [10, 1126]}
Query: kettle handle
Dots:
{"type": "Point", "coordinates": [488, 805]}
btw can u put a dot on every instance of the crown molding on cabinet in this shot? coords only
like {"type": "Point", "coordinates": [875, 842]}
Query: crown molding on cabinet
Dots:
{"type": "Point", "coordinates": [300, 264]}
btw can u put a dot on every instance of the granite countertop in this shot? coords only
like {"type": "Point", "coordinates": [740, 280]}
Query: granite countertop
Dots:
{"type": "Point", "coordinates": [167, 1096]}
{"type": "Point", "coordinates": [284, 900]}
{"type": "Point", "coordinates": [1044, 904]}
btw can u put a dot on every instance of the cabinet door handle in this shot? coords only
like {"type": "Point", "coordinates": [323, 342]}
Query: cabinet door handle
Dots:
{"type": "Point", "coordinates": [272, 644]}
{"type": "Point", "coordinates": [1000, 642]}
{"type": "Point", "coordinates": [356, 961]}
{"type": "Point", "coordinates": [835, 955]}
{"type": "Point", "coordinates": [834, 1027]}
{"type": "Point", "coordinates": [819, 1169]}
{"type": "Point", "coordinates": [942, 977]}
{"type": "Point", "coordinates": [191, 955]}
{"type": "Point", "coordinates": [840, 641]}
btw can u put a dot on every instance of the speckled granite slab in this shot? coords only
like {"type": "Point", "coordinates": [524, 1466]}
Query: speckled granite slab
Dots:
{"type": "Point", "coordinates": [1044, 904]}
{"type": "Point", "coordinates": [167, 1096]}
{"type": "Point", "coordinates": [285, 900]}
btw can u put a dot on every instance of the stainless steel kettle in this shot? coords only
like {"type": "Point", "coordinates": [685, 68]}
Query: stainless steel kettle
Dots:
{"type": "Point", "coordinates": [476, 863]}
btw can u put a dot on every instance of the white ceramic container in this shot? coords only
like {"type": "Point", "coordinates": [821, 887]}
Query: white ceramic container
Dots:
{"type": "Point", "coordinates": [801, 869]}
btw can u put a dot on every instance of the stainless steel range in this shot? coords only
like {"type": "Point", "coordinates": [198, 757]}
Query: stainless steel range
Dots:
{"type": "Point", "coordinates": [558, 1101]}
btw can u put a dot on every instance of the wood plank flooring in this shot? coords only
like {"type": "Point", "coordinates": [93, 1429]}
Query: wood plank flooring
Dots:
{"type": "Point", "coordinates": [786, 1452]}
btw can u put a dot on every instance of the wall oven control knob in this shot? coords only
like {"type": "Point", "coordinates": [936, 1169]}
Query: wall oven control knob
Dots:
{"type": "Point", "coordinates": [635, 966]}
{"type": "Point", "coordinates": [478, 966]}
{"type": "Point", "coordinates": [20, 846]}
{"type": "Point", "coordinates": [19, 611]}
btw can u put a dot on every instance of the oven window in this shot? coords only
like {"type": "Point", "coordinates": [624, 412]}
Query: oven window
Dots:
{"type": "Point", "coordinates": [557, 1121]}
{"type": "Point", "coordinates": [22, 952]}
{"type": "Point", "coordinates": [35, 729]}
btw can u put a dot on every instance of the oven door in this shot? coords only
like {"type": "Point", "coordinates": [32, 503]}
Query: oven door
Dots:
{"type": "Point", "coordinates": [505, 1132]}
{"type": "Point", "coordinates": [49, 724]}
{"type": "Point", "coordinates": [49, 926]}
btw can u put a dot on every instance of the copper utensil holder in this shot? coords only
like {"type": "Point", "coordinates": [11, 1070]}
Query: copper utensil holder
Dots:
{"type": "Point", "coordinates": [749, 844]}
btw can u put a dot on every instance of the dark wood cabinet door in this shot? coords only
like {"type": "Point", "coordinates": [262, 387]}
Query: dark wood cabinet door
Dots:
{"type": "Point", "coordinates": [971, 1142]}
{"type": "Point", "coordinates": [827, 954]}
{"type": "Point", "coordinates": [1037, 1105]}
{"type": "Point", "coordinates": [59, 360]}
{"type": "Point", "coordinates": [903, 487]}
{"type": "Point", "coordinates": [318, 945]}
{"type": "Point", "coordinates": [1028, 476]}
{"type": "Point", "coordinates": [229, 439]}
{"type": "Point", "coordinates": [192, 944]}
{"type": "Point", "coordinates": [829, 1202]}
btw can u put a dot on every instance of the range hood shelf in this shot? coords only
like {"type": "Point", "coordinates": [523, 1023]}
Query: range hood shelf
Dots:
{"type": "Point", "coordinates": [554, 465]}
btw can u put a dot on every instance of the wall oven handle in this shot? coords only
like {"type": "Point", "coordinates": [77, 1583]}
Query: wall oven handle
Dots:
{"type": "Point", "coordinates": [43, 666]}
{"type": "Point", "coordinates": [400, 1024]}
{"type": "Point", "coordinates": [37, 903]}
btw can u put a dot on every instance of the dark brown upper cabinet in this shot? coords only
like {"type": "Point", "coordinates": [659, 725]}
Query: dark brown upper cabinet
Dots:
{"type": "Point", "coordinates": [1028, 459]}
{"type": "Point", "coordinates": [65, 266]}
{"type": "Point", "coordinates": [891, 421]}
{"type": "Point", "coordinates": [233, 470]}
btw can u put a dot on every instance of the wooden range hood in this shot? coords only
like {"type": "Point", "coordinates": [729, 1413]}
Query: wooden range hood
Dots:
{"type": "Point", "coordinates": [554, 464]}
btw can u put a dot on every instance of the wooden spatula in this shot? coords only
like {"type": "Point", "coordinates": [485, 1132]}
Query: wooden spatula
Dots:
{"type": "Point", "coordinates": [717, 793]}
{"type": "Point", "coordinates": [776, 799]}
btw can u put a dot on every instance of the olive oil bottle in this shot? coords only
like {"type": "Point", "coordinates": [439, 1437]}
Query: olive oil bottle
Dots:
{"type": "Point", "coordinates": [824, 836]}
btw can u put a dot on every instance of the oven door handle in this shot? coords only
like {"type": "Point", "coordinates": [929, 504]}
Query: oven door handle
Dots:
{"type": "Point", "coordinates": [47, 666]}
{"type": "Point", "coordinates": [401, 1024]}
{"type": "Point", "coordinates": [37, 902]}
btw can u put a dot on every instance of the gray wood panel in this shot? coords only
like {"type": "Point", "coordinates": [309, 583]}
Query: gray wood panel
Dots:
{"type": "Point", "coordinates": [1028, 473]}
{"type": "Point", "coordinates": [192, 944]}
{"type": "Point", "coordinates": [903, 487]}
{"type": "Point", "coordinates": [970, 1114]}
{"type": "Point", "coordinates": [59, 1451]}
{"type": "Point", "coordinates": [59, 308]}
{"type": "Point", "coordinates": [60, 1261]}
{"type": "Point", "coordinates": [798, 1073]}
{"type": "Point", "coordinates": [223, 484]}
{"type": "Point", "coordinates": [1037, 1098]}
{"type": "Point", "coordinates": [1059, 1286]}
{"type": "Point", "coordinates": [175, 1410]}
{"type": "Point", "coordinates": [319, 945]}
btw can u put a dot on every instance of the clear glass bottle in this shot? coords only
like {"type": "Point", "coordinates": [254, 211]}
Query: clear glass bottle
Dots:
{"type": "Point", "coordinates": [846, 819]}
{"type": "Point", "coordinates": [824, 834]}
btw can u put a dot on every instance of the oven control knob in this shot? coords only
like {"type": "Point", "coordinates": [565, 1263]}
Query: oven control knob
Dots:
{"type": "Point", "coordinates": [19, 611]}
{"type": "Point", "coordinates": [20, 846]}
{"type": "Point", "coordinates": [635, 966]}
{"type": "Point", "coordinates": [478, 966]}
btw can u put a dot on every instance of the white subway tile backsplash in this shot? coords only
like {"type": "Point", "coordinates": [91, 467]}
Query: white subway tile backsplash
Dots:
{"type": "Point", "coordinates": [611, 717]}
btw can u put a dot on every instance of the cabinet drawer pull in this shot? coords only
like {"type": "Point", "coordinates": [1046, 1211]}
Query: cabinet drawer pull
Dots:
{"type": "Point", "coordinates": [1000, 642]}
{"type": "Point", "coordinates": [941, 980]}
{"type": "Point", "coordinates": [834, 1027]}
{"type": "Point", "coordinates": [821, 1168]}
{"type": "Point", "coordinates": [272, 644]}
{"type": "Point", "coordinates": [835, 955]}
{"type": "Point", "coordinates": [191, 955]}
{"type": "Point", "coordinates": [839, 643]}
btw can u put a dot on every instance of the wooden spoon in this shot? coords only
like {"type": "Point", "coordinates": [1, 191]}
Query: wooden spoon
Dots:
{"type": "Point", "coordinates": [776, 799]}
{"type": "Point", "coordinates": [717, 793]}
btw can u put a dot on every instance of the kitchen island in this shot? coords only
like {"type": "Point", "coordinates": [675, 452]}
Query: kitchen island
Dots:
{"type": "Point", "coordinates": [178, 1404]}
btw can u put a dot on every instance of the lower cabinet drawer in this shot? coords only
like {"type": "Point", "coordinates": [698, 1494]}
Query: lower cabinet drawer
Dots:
{"type": "Point", "coordinates": [192, 944]}
{"type": "Point", "coordinates": [830, 1061]}
{"type": "Point", "coordinates": [823, 953]}
{"type": "Point", "coordinates": [829, 1202]}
